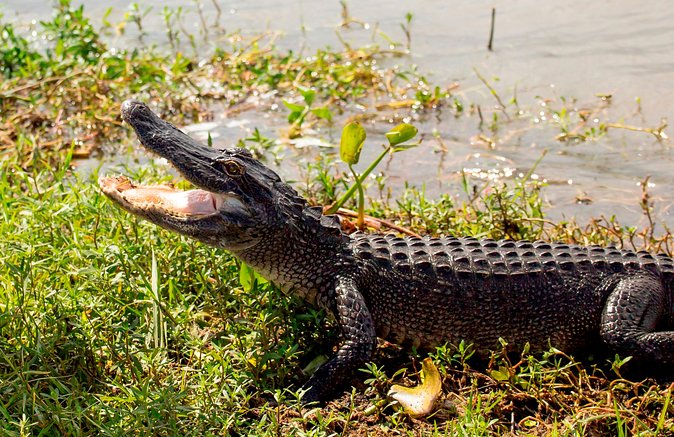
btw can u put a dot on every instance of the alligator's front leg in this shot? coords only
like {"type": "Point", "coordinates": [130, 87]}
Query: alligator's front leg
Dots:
{"type": "Point", "coordinates": [359, 341]}
{"type": "Point", "coordinates": [637, 319]}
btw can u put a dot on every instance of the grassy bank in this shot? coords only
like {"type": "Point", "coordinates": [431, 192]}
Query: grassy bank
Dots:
{"type": "Point", "coordinates": [110, 325]}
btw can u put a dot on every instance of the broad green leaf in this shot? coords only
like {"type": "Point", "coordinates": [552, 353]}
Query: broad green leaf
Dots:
{"type": "Point", "coordinates": [353, 138]}
{"type": "Point", "coordinates": [307, 94]}
{"type": "Point", "coordinates": [322, 112]}
{"type": "Point", "coordinates": [60, 48]}
{"type": "Point", "coordinates": [294, 107]}
{"type": "Point", "coordinates": [401, 133]}
{"type": "Point", "coordinates": [420, 400]}
{"type": "Point", "coordinates": [500, 375]}
{"type": "Point", "coordinates": [315, 364]}
{"type": "Point", "coordinates": [293, 116]}
{"type": "Point", "coordinates": [248, 277]}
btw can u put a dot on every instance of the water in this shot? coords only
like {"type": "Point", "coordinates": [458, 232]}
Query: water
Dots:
{"type": "Point", "coordinates": [573, 49]}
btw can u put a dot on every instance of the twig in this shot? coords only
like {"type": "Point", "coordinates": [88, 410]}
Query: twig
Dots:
{"type": "Point", "coordinates": [491, 30]}
{"type": "Point", "coordinates": [216, 23]}
{"type": "Point", "coordinates": [493, 93]}
{"type": "Point", "coordinates": [200, 12]}
{"type": "Point", "coordinates": [353, 214]}
{"type": "Point", "coordinates": [656, 132]}
{"type": "Point", "coordinates": [534, 219]}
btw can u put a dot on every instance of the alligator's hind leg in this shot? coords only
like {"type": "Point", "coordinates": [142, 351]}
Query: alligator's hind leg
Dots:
{"type": "Point", "coordinates": [359, 341]}
{"type": "Point", "coordinates": [635, 314]}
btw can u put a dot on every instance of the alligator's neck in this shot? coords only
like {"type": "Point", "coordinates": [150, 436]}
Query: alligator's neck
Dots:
{"type": "Point", "coordinates": [302, 254]}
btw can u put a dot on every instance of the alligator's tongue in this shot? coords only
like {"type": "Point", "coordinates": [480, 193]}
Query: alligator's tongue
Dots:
{"type": "Point", "coordinates": [189, 203]}
{"type": "Point", "coordinates": [193, 202]}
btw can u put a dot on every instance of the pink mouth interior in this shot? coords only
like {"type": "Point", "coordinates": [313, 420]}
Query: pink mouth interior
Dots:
{"type": "Point", "coordinates": [177, 202]}
{"type": "Point", "coordinates": [192, 202]}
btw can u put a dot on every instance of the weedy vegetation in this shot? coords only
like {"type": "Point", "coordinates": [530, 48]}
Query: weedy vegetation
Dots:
{"type": "Point", "coordinates": [110, 325]}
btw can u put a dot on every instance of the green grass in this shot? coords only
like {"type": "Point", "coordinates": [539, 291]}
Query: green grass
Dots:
{"type": "Point", "coordinates": [87, 345]}
{"type": "Point", "coordinates": [91, 343]}
{"type": "Point", "coordinates": [110, 325]}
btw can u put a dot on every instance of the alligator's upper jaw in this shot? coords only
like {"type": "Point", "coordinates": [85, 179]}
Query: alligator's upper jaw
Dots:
{"type": "Point", "coordinates": [163, 199]}
{"type": "Point", "coordinates": [195, 161]}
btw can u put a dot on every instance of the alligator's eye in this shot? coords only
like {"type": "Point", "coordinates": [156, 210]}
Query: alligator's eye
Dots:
{"type": "Point", "coordinates": [232, 168]}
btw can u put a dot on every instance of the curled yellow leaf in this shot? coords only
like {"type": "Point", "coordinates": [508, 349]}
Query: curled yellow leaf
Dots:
{"type": "Point", "coordinates": [420, 400]}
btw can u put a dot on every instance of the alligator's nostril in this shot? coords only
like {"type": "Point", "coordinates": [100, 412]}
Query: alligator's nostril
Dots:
{"type": "Point", "coordinates": [129, 107]}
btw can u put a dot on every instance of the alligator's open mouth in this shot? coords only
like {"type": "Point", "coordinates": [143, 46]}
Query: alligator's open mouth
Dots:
{"type": "Point", "coordinates": [164, 198]}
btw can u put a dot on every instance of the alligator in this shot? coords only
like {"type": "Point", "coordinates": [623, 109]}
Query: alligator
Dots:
{"type": "Point", "coordinates": [421, 292]}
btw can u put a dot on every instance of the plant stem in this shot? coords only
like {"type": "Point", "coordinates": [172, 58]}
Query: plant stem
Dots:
{"type": "Point", "coordinates": [490, 45]}
{"type": "Point", "coordinates": [361, 199]}
{"type": "Point", "coordinates": [349, 193]}
{"type": "Point", "coordinates": [493, 92]}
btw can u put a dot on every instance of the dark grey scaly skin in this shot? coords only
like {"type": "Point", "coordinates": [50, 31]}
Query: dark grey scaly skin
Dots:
{"type": "Point", "coordinates": [423, 292]}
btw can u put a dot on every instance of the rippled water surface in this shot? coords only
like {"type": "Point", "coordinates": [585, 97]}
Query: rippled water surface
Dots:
{"type": "Point", "coordinates": [572, 50]}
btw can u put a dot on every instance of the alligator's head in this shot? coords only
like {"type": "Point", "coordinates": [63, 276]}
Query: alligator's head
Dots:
{"type": "Point", "coordinates": [238, 201]}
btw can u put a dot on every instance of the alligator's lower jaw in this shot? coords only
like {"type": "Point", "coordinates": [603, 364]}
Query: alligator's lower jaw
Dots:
{"type": "Point", "coordinates": [179, 204]}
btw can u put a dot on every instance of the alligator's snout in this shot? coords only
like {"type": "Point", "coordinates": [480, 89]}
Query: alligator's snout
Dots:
{"type": "Point", "coordinates": [199, 164]}
{"type": "Point", "coordinates": [132, 108]}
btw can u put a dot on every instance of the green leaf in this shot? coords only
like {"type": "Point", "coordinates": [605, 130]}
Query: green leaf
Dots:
{"type": "Point", "coordinates": [315, 364]}
{"type": "Point", "coordinates": [500, 375]}
{"type": "Point", "coordinates": [246, 277]}
{"type": "Point", "coordinates": [401, 133]}
{"type": "Point", "coordinates": [60, 48]}
{"type": "Point", "coordinates": [323, 113]}
{"type": "Point", "coordinates": [293, 116]}
{"type": "Point", "coordinates": [294, 107]}
{"type": "Point", "coordinates": [353, 138]}
{"type": "Point", "coordinates": [308, 94]}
